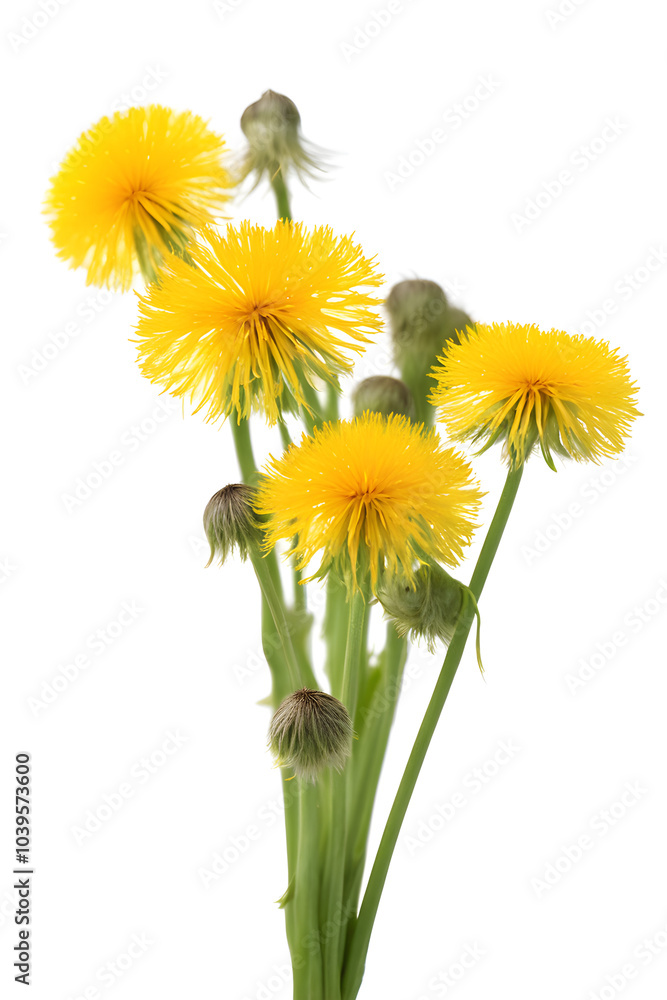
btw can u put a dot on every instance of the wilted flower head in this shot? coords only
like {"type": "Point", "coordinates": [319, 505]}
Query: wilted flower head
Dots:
{"type": "Point", "coordinates": [262, 313]}
{"type": "Point", "coordinates": [134, 188]}
{"type": "Point", "coordinates": [310, 731]}
{"type": "Point", "coordinates": [372, 492]}
{"type": "Point", "coordinates": [426, 607]}
{"type": "Point", "coordinates": [272, 126]}
{"type": "Point", "coordinates": [517, 384]}
{"type": "Point", "coordinates": [230, 522]}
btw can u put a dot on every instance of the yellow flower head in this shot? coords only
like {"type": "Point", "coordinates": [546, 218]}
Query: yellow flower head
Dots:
{"type": "Point", "coordinates": [134, 188]}
{"type": "Point", "coordinates": [521, 385]}
{"type": "Point", "coordinates": [261, 313]}
{"type": "Point", "coordinates": [376, 491]}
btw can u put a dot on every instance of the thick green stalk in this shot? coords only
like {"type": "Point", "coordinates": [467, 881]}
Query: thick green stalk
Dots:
{"type": "Point", "coordinates": [333, 875]}
{"type": "Point", "coordinates": [335, 624]}
{"type": "Point", "coordinates": [355, 651]}
{"type": "Point", "coordinates": [282, 195]}
{"type": "Point", "coordinates": [356, 956]}
{"type": "Point", "coordinates": [243, 445]}
{"type": "Point", "coordinates": [275, 606]}
{"type": "Point", "coordinates": [306, 954]}
{"type": "Point", "coordinates": [374, 727]}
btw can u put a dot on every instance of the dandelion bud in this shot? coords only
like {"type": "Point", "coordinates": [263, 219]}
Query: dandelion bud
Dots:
{"type": "Point", "coordinates": [230, 521]}
{"type": "Point", "coordinates": [428, 607]}
{"type": "Point", "coordinates": [421, 321]}
{"type": "Point", "coordinates": [311, 730]}
{"type": "Point", "coordinates": [385, 395]}
{"type": "Point", "coordinates": [272, 126]}
{"type": "Point", "coordinates": [457, 322]}
{"type": "Point", "coordinates": [417, 309]}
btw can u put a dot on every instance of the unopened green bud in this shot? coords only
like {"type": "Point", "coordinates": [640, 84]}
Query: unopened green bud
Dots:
{"type": "Point", "coordinates": [428, 607]}
{"type": "Point", "coordinates": [457, 322]}
{"type": "Point", "coordinates": [230, 522]}
{"type": "Point", "coordinates": [310, 731]}
{"type": "Point", "coordinates": [383, 394]}
{"type": "Point", "coordinates": [417, 310]}
{"type": "Point", "coordinates": [421, 322]}
{"type": "Point", "coordinates": [272, 126]}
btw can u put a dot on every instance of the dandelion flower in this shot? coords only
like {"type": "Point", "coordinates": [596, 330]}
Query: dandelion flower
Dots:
{"type": "Point", "coordinates": [262, 313]}
{"type": "Point", "coordinates": [370, 493]}
{"type": "Point", "coordinates": [134, 188]}
{"type": "Point", "coordinates": [524, 386]}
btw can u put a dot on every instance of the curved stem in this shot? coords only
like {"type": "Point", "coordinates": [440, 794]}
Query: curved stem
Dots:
{"type": "Point", "coordinates": [356, 958]}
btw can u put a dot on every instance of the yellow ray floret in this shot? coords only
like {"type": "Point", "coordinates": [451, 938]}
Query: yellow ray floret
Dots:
{"type": "Point", "coordinates": [369, 493]}
{"type": "Point", "coordinates": [524, 386]}
{"type": "Point", "coordinates": [259, 315]}
{"type": "Point", "coordinates": [134, 188]}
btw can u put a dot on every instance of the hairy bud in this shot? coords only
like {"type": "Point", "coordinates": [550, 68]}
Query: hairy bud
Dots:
{"type": "Point", "coordinates": [310, 731]}
{"type": "Point", "coordinates": [230, 522]}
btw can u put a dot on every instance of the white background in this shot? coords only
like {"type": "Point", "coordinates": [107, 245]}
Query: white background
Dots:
{"type": "Point", "coordinates": [187, 662]}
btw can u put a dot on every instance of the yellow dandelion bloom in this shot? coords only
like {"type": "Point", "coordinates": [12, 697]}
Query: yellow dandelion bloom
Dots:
{"type": "Point", "coordinates": [370, 493]}
{"type": "Point", "coordinates": [261, 314]}
{"type": "Point", "coordinates": [524, 386]}
{"type": "Point", "coordinates": [134, 188]}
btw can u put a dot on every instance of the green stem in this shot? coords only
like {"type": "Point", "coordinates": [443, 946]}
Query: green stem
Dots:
{"type": "Point", "coordinates": [312, 412]}
{"type": "Point", "coordinates": [375, 722]}
{"type": "Point", "coordinates": [307, 956]}
{"type": "Point", "coordinates": [333, 876]}
{"type": "Point", "coordinates": [354, 651]}
{"type": "Point", "coordinates": [282, 196]}
{"type": "Point", "coordinates": [275, 606]}
{"type": "Point", "coordinates": [356, 958]}
{"type": "Point", "coordinates": [335, 622]}
{"type": "Point", "coordinates": [243, 445]}
{"type": "Point", "coordinates": [285, 436]}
